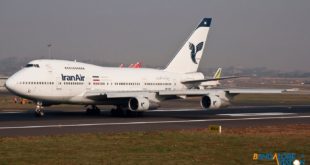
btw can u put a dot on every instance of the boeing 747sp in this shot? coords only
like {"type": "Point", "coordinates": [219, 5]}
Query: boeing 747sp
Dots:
{"type": "Point", "coordinates": [49, 82]}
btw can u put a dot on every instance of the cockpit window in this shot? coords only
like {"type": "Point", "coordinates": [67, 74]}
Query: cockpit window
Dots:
{"type": "Point", "coordinates": [29, 65]}
{"type": "Point", "coordinates": [32, 65]}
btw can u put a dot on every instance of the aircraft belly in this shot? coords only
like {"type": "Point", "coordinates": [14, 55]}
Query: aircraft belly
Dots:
{"type": "Point", "coordinates": [101, 101]}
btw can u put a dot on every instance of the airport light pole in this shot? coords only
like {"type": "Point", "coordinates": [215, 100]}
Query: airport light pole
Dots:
{"type": "Point", "coordinates": [49, 51]}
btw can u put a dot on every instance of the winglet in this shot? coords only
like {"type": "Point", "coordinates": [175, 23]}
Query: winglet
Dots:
{"type": "Point", "coordinates": [206, 22]}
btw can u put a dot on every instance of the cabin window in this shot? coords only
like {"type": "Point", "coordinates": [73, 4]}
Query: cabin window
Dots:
{"type": "Point", "coordinates": [69, 67]}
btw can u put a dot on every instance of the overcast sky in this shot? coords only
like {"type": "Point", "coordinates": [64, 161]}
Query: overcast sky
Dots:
{"type": "Point", "coordinates": [245, 33]}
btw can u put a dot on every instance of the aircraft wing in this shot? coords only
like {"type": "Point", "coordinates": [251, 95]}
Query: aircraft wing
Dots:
{"type": "Point", "coordinates": [189, 92]}
{"type": "Point", "coordinates": [209, 79]}
{"type": "Point", "coordinates": [115, 94]}
{"type": "Point", "coordinates": [230, 91]}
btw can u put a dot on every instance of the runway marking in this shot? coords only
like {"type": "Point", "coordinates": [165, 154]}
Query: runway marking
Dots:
{"type": "Point", "coordinates": [147, 122]}
{"type": "Point", "coordinates": [256, 114]}
{"type": "Point", "coordinates": [9, 112]}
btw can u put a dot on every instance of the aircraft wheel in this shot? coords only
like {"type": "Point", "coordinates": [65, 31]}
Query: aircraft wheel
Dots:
{"type": "Point", "coordinates": [93, 111]}
{"type": "Point", "coordinates": [39, 113]}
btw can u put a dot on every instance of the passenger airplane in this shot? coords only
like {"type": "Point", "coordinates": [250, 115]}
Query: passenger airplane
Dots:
{"type": "Point", "coordinates": [215, 81]}
{"type": "Point", "coordinates": [50, 82]}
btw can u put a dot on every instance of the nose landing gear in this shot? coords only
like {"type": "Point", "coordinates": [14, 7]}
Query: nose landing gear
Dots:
{"type": "Point", "coordinates": [39, 112]}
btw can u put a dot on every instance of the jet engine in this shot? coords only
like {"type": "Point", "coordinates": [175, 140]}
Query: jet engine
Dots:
{"type": "Point", "coordinates": [214, 102]}
{"type": "Point", "coordinates": [141, 104]}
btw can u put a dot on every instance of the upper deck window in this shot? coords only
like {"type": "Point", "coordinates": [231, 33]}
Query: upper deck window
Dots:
{"type": "Point", "coordinates": [32, 65]}
{"type": "Point", "coordinates": [73, 67]}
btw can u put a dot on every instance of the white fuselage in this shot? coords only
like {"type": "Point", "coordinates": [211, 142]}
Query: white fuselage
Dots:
{"type": "Point", "coordinates": [60, 81]}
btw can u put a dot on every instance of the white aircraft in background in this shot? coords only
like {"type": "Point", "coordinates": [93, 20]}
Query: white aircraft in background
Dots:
{"type": "Point", "coordinates": [215, 81]}
{"type": "Point", "coordinates": [136, 65]}
{"type": "Point", "coordinates": [50, 82]}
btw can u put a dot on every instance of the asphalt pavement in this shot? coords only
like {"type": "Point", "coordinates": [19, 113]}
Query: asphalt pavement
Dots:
{"type": "Point", "coordinates": [15, 122]}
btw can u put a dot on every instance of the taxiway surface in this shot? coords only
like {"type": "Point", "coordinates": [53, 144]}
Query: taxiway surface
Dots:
{"type": "Point", "coordinates": [55, 122]}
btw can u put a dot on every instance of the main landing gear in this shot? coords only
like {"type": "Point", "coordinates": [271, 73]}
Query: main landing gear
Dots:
{"type": "Point", "coordinates": [39, 112]}
{"type": "Point", "coordinates": [94, 110]}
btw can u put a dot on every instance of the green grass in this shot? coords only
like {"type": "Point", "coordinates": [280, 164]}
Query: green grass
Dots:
{"type": "Point", "coordinates": [166, 147]}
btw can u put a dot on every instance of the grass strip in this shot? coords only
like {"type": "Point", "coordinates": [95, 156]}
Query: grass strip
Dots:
{"type": "Point", "coordinates": [164, 147]}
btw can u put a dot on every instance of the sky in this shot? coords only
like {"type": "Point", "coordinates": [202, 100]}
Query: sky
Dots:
{"type": "Point", "coordinates": [244, 33]}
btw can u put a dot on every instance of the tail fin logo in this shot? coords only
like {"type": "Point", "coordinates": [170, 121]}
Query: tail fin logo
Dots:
{"type": "Point", "coordinates": [194, 50]}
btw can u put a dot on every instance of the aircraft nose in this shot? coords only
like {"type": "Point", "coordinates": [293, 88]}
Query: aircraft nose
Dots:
{"type": "Point", "coordinates": [10, 84]}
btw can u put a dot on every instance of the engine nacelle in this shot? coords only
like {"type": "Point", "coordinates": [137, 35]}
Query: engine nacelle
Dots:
{"type": "Point", "coordinates": [214, 102]}
{"type": "Point", "coordinates": [141, 104]}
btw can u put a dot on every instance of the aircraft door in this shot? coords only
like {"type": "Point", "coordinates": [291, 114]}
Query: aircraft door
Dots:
{"type": "Point", "coordinates": [143, 84]}
{"type": "Point", "coordinates": [31, 89]}
{"type": "Point", "coordinates": [174, 84]}
{"type": "Point", "coordinates": [58, 84]}
{"type": "Point", "coordinates": [88, 84]}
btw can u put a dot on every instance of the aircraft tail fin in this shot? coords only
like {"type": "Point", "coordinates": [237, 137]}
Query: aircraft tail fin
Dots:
{"type": "Point", "coordinates": [188, 58]}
